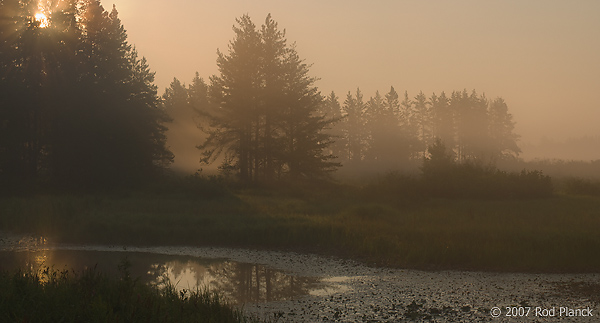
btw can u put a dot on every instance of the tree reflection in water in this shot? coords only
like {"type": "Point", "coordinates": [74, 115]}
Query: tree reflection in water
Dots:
{"type": "Point", "coordinates": [237, 282]}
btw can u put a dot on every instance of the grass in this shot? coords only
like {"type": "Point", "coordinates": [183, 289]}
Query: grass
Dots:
{"type": "Point", "coordinates": [89, 296]}
{"type": "Point", "coordinates": [558, 234]}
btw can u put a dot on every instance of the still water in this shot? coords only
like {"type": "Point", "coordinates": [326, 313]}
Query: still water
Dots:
{"type": "Point", "coordinates": [238, 282]}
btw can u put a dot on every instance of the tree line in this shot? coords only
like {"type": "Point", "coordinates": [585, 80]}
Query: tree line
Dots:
{"type": "Point", "coordinates": [78, 105]}
{"type": "Point", "coordinates": [261, 114]}
{"type": "Point", "coordinates": [384, 132]}
{"type": "Point", "coordinates": [79, 108]}
{"type": "Point", "coordinates": [266, 120]}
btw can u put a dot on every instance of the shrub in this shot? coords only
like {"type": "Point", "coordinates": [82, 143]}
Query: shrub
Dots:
{"type": "Point", "coordinates": [392, 187]}
{"type": "Point", "coordinates": [443, 177]}
{"type": "Point", "coordinates": [581, 186]}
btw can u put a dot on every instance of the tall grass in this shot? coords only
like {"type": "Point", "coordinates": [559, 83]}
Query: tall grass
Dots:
{"type": "Point", "coordinates": [90, 296]}
{"type": "Point", "coordinates": [581, 186]}
{"type": "Point", "coordinates": [557, 234]}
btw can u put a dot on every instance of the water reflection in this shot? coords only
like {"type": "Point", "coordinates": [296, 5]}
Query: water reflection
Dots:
{"type": "Point", "coordinates": [257, 283]}
{"type": "Point", "coordinates": [237, 282]}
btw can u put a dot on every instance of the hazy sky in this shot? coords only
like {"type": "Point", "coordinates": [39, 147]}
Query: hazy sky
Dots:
{"type": "Point", "coordinates": [541, 56]}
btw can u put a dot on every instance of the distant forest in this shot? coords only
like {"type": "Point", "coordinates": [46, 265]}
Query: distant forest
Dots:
{"type": "Point", "coordinates": [79, 109]}
{"type": "Point", "coordinates": [265, 118]}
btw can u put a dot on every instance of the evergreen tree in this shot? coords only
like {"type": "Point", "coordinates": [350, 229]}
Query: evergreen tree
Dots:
{"type": "Point", "coordinates": [303, 135]}
{"type": "Point", "coordinates": [400, 138]}
{"type": "Point", "coordinates": [85, 101]}
{"type": "Point", "coordinates": [503, 139]}
{"type": "Point", "coordinates": [175, 99]}
{"type": "Point", "coordinates": [392, 102]}
{"type": "Point", "coordinates": [267, 119]}
{"type": "Point", "coordinates": [422, 120]}
{"type": "Point", "coordinates": [393, 133]}
{"type": "Point", "coordinates": [187, 108]}
{"type": "Point", "coordinates": [113, 133]}
{"type": "Point", "coordinates": [236, 91]}
{"type": "Point", "coordinates": [442, 119]}
{"type": "Point", "coordinates": [409, 124]}
{"type": "Point", "coordinates": [354, 127]}
{"type": "Point", "coordinates": [33, 71]}
{"type": "Point", "coordinates": [332, 110]}
{"type": "Point", "coordinates": [438, 163]}
{"type": "Point", "coordinates": [275, 55]}
{"type": "Point", "coordinates": [473, 140]}
{"type": "Point", "coordinates": [198, 96]}
{"type": "Point", "coordinates": [379, 126]}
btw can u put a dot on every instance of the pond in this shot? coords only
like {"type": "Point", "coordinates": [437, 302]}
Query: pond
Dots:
{"type": "Point", "coordinates": [238, 282]}
{"type": "Point", "coordinates": [309, 288]}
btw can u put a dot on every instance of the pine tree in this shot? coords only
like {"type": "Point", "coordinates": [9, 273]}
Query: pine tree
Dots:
{"type": "Point", "coordinates": [392, 102]}
{"type": "Point", "coordinates": [175, 99]}
{"type": "Point", "coordinates": [303, 135]}
{"type": "Point", "coordinates": [187, 107]}
{"type": "Point", "coordinates": [409, 124]}
{"type": "Point", "coordinates": [14, 101]}
{"type": "Point", "coordinates": [114, 133]}
{"type": "Point", "coordinates": [501, 123]}
{"type": "Point", "coordinates": [332, 110]}
{"type": "Point", "coordinates": [442, 119]}
{"type": "Point", "coordinates": [198, 96]}
{"type": "Point", "coordinates": [472, 130]}
{"type": "Point", "coordinates": [33, 72]}
{"type": "Point", "coordinates": [422, 120]}
{"type": "Point", "coordinates": [236, 91]}
{"type": "Point", "coordinates": [274, 54]}
{"type": "Point", "coordinates": [85, 101]}
{"type": "Point", "coordinates": [267, 120]}
{"type": "Point", "coordinates": [388, 143]}
{"type": "Point", "coordinates": [400, 138]}
{"type": "Point", "coordinates": [377, 118]}
{"type": "Point", "coordinates": [354, 128]}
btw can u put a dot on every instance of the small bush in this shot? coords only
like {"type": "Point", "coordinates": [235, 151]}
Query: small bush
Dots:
{"type": "Point", "coordinates": [581, 186]}
{"type": "Point", "coordinates": [195, 185]}
{"type": "Point", "coordinates": [473, 181]}
{"type": "Point", "coordinates": [393, 188]}
{"type": "Point", "coordinates": [442, 176]}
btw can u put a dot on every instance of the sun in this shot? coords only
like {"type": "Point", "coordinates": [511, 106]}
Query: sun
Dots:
{"type": "Point", "coordinates": [42, 19]}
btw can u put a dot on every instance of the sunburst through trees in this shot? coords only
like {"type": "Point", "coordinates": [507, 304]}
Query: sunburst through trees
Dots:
{"type": "Point", "coordinates": [78, 105]}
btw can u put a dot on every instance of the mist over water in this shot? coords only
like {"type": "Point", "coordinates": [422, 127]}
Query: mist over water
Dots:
{"type": "Point", "coordinates": [389, 160]}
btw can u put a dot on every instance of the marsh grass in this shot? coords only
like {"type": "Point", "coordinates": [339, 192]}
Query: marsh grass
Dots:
{"type": "Point", "coordinates": [581, 186]}
{"type": "Point", "coordinates": [558, 234]}
{"type": "Point", "coordinates": [90, 296]}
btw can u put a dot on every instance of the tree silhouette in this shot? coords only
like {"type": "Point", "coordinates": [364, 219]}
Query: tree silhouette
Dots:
{"type": "Point", "coordinates": [354, 128]}
{"type": "Point", "coordinates": [267, 119]}
{"type": "Point", "coordinates": [387, 145]}
{"type": "Point", "coordinates": [332, 110]}
{"type": "Point", "coordinates": [387, 134]}
{"type": "Point", "coordinates": [79, 107]}
{"type": "Point", "coordinates": [503, 139]}
{"type": "Point", "coordinates": [443, 119]}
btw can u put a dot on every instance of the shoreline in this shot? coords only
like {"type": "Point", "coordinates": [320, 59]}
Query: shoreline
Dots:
{"type": "Point", "coordinates": [359, 292]}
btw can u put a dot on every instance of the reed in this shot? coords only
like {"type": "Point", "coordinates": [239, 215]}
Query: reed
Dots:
{"type": "Point", "coordinates": [557, 234]}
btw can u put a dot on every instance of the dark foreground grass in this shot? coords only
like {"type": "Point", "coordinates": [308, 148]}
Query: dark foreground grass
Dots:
{"type": "Point", "coordinates": [90, 296]}
{"type": "Point", "coordinates": [558, 234]}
